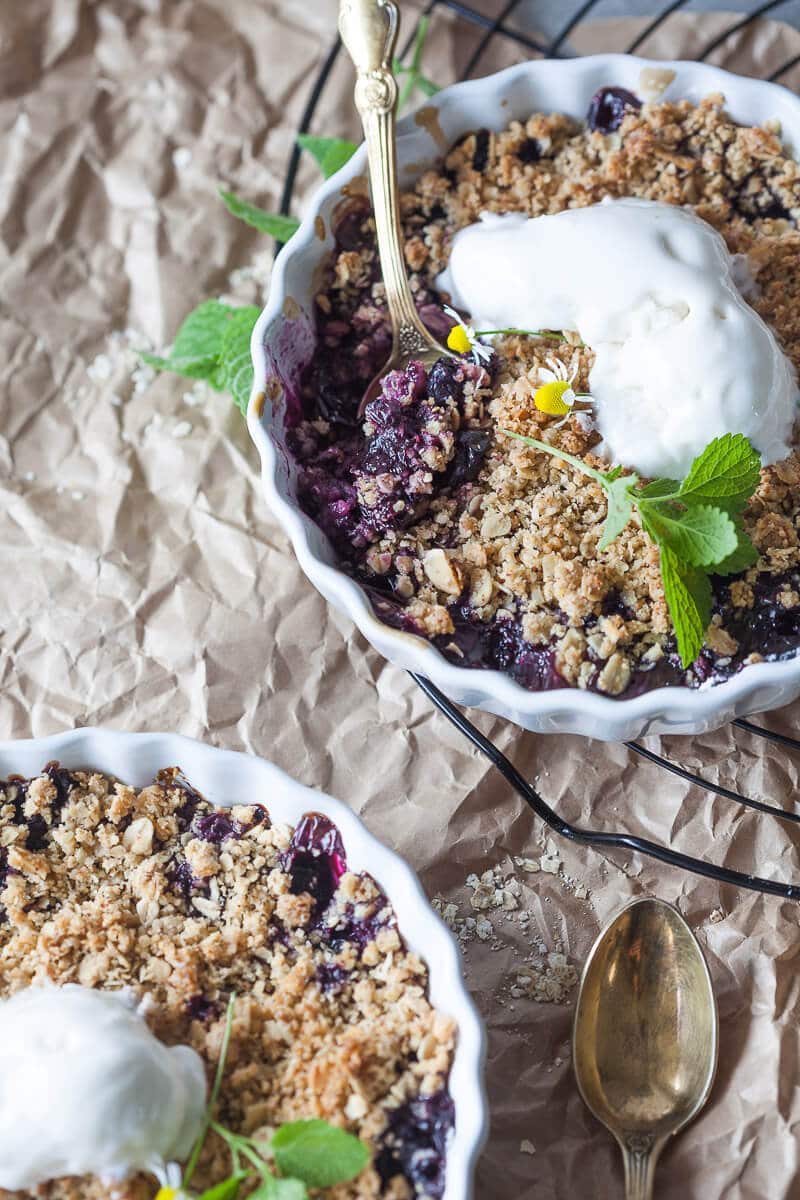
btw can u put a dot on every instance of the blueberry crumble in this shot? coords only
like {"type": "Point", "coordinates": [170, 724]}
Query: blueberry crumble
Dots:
{"type": "Point", "coordinates": [155, 890]}
{"type": "Point", "coordinates": [488, 548]}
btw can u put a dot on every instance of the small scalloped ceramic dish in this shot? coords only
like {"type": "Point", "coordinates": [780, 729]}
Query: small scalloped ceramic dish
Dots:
{"type": "Point", "coordinates": [226, 778]}
{"type": "Point", "coordinates": [284, 343]}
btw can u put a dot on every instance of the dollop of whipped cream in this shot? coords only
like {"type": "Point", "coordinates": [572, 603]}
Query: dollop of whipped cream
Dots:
{"type": "Point", "coordinates": [680, 356]}
{"type": "Point", "coordinates": [87, 1089]}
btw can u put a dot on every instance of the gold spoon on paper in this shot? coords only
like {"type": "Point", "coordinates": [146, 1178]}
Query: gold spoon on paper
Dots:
{"type": "Point", "coordinates": [646, 1034]}
{"type": "Point", "coordinates": [369, 32]}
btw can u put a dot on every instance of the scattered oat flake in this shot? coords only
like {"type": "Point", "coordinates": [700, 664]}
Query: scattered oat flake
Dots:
{"type": "Point", "coordinates": [549, 980]}
{"type": "Point", "coordinates": [528, 865]}
{"type": "Point", "coordinates": [100, 369]}
{"type": "Point", "coordinates": [526, 1147]}
{"type": "Point", "coordinates": [182, 429]}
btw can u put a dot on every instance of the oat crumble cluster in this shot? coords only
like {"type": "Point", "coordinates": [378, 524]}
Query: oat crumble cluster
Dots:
{"type": "Point", "coordinates": [486, 546]}
{"type": "Point", "coordinates": [155, 890]}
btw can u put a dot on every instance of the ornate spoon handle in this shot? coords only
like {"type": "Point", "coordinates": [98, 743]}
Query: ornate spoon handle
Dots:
{"type": "Point", "coordinates": [640, 1154]}
{"type": "Point", "coordinates": [369, 31]}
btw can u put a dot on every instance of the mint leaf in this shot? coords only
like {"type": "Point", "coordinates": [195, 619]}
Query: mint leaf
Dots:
{"type": "Point", "coordinates": [280, 1189]}
{"type": "Point", "coordinates": [427, 86]}
{"type": "Point", "coordinates": [275, 224]}
{"type": "Point", "coordinates": [227, 1190]}
{"type": "Point", "coordinates": [726, 473]}
{"type": "Point", "coordinates": [744, 556]}
{"type": "Point", "coordinates": [700, 536]}
{"type": "Point", "coordinates": [198, 342]}
{"type": "Point", "coordinates": [214, 344]}
{"type": "Point", "coordinates": [620, 508]}
{"type": "Point", "coordinates": [656, 489]}
{"type": "Point", "coordinates": [318, 1153]}
{"type": "Point", "coordinates": [688, 595]}
{"type": "Point", "coordinates": [236, 363]}
{"type": "Point", "coordinates": [330, 153]}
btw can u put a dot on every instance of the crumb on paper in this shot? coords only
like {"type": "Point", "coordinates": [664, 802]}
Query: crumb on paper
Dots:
{"type": "Point", "coordinates": [181, 157]}
{"type": "Point", "coordinates": [542, 972]}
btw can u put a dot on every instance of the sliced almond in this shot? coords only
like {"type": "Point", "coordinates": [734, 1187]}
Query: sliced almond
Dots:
{"type": "Point", "coordinates": [138, 837]}
{"type": "Point", "coordinates": [495, 525]}
{"type": "Point", "coordinates": [480, 589]}
{"type": "Point", "coordinates": [442, 572]}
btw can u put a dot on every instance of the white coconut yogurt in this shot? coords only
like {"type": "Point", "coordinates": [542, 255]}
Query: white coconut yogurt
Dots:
{"type": "Point", "coordinates": [680, 356]}
{"type": "Point", "coordinates": [87, 1089]}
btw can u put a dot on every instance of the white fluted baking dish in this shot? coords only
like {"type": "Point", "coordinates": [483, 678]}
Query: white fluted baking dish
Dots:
{"type": "Point", "coordinates": [226, 778]}
{"type": "Point", "coordinates": [283, 340]}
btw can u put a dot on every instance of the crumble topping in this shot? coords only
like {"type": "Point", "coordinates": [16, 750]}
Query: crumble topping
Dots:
{"type": "Point", "coordinates": [496, 558]}
{"type": "Point", "coordinates": [154, 889]}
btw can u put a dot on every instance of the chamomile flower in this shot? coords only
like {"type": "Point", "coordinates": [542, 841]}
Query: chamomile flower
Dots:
{"type": "Point", "coordinates": [171, 1181]}
{"type": "Point", "coordinates": [462, 339]}
{"type": "Point", "coordinates": [555, 395]}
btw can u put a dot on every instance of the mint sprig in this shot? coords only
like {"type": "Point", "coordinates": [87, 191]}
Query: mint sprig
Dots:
{"type": "Point", "coordinates": [300, 1155]}
{"type": "Point", "coordinates": [330, 153]}
{"type": "Point", "coordinates": [275, 224]}
{"type": "Point", "coordinates": [213, 344]}
{"type": "Point", "coordinates": [197, 1149]}
{"type": "Point", "coordinates": [306, 1154]}
{"type": "Point", "coordinates": [696, 524]}
{"type": "Point", "coordinates": [413, 79]}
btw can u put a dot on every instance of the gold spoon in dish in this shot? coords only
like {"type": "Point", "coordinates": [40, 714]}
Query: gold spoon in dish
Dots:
{"type": "Point", "coordinates": [646, 1033]}
{"type": "Point", "coordinates": [369, 32]}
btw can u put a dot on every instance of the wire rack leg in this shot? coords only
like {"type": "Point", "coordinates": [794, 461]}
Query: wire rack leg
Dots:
{"type": "Point", "coordinates": [595, 837]}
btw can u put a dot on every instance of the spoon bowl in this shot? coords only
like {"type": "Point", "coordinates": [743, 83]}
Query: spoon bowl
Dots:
{"type": "Point", "coordinates": [646, 1033]}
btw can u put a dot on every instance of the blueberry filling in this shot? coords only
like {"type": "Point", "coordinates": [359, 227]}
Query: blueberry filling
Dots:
{"type": "Point", "coordinates": [480, 157]}
{"type": "Point", "coordinates": [470, 452]}
{"type": "Point", "coordinates": [215, 827]}
{"type": "Point", "coordinates": [37, 833]}
{"type": "Point", "coordinates": [20, 786]}
{"type": "Point", "coordinates": [415, 1144]}
{"type": "Point", "coordinates": [172, 778]}
{"type": "Point", "coordinates": [315, 860]}
{"type": "Point", "coordinates": [200, 1008]}
{"type": "Point", "coordinates": [62, 780]}
{"type": "Point", "coordinates": [608, 108]}
{"type": "Point", "coordinates": [5, 871]}
{"type": "Point", "coordinates": [331, 977]}
{"type": "Point", "coordinates": [360, 487]}
{"type": "Point", "coordinates": [354, 930]}
{"type": "Point", "coordinates": [530, 151]}
{"type": "Point", "coordinates": [183, 879]}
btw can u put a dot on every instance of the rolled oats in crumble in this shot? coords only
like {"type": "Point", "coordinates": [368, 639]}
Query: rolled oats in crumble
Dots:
{"type": "Point", "coordinates": [156, 890]}
{"type": "Point", "coordinates": [487, 546]}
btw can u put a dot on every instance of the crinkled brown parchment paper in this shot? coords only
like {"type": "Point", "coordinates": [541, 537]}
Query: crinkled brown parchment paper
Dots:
{"type": "Point", "coordinates": [144, 585]}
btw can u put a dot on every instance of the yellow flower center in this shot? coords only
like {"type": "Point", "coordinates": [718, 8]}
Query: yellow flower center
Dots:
{"type": "Point", "coordinates": [549, 398]}
{"type": "Point", "coordinates": [458, 340]}
{"type": "Point", "coordinates": [167, 1193]}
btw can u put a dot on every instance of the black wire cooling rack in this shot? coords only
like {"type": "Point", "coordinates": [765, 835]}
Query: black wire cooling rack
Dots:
{"type": "Point", "coordinates": [486, 28]}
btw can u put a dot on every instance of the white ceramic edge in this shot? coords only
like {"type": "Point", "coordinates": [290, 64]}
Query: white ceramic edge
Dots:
{"type": "Point", "coordinates": [227, 777]}
{"type": "Point", "coordinates": [568, 86]}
